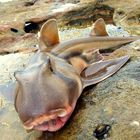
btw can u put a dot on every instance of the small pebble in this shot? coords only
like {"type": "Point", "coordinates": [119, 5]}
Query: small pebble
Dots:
{"type": "Point", "coordinates": [102, 131]}
{"type": "Point", "coordinates": [135, 123]}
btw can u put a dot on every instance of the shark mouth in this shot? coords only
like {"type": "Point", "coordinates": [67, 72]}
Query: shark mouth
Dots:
{"type": "Point", "coordinates": [50, 123]}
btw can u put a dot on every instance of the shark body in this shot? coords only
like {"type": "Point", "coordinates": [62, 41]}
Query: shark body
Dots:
{"type": "Point", "coordinates": [48, 89]}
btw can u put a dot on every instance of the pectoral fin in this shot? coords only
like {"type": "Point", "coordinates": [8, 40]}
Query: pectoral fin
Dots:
{"type": "Point", "coordinates": [49, 34]}
{"type": "Point", "coordinates": [99, 71]}
{"type": "Point", "coordinates": [99, 28]}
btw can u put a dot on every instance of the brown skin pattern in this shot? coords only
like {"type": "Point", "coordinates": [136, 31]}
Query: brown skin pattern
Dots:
{"type": "Point", "coordinates": [48, 89]}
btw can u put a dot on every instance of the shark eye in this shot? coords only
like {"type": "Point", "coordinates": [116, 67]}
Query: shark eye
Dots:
{"type": "Point", "coordinates": [50, 66]}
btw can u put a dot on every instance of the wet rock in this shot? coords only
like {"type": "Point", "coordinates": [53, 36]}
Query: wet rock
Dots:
{"type": "Point", "coordinates": [41, 11]}
{"type": "Point", "coordinates": [126, 15]}
{"type": "Point", "coordinates": [88, 12]}
{"type": "Point", "coordinates": [71, 12]}
{"type": "Point", "coordinates": [9, 29]}
{"type": "Point", "coordinates": [130, 20]}
{"type": "Point", "coordinates": [25, 43]}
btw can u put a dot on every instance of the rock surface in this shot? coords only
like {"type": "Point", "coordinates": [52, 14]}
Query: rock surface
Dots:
{"type": "Point", "coordinates": [115, 101]}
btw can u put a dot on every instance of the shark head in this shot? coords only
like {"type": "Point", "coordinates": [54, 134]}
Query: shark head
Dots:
{"type": "Point", "coordinates": [47, 93]}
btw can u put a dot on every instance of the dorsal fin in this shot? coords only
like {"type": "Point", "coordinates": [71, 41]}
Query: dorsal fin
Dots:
{"type": "Point", "coordinates": [49, 34]}
{"type": "Point", "coordinates": [99, 28]}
